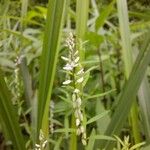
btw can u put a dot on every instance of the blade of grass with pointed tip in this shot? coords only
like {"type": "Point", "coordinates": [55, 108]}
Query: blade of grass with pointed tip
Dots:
{"type": "Point", "coordinates": [129, 92]}
{"type": "Point", "coordinates": [128, 60]}
{"type": "Point", "coordinates": [9, 117]}
{"type": "Point", "coordinates": [97, 117]}
{"type": "Point", "coordinates": [104, 15]}
{"type": "Point", "coordinates": [81, 23]}
{"type": "Point", "coordinates": [49, 59]}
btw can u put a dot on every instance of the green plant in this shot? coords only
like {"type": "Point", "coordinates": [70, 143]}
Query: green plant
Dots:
{"type": "Point", "coordinates": [39, 109]}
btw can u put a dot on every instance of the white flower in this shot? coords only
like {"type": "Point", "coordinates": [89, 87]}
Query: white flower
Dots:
{"type": "Point", "coordinates": [80, 80]}
{"type": "Point", "coordinates": [84, 142]}
{"type": "Point", "coordinates": [76, 60]}
{"type": "Point", "coordinates": [77, 122]}
{"type": "Point", "coordinates": [67, 82]}
{"type": "Point", "coordinates": [82, 129]}
{"type": "Point", "coordinates": [65, 58]}
{"type": "Point", "coordinates": [44, 143]}
{"type": "Point", "coordinates": [68, 67]}
{"type": "Point", "coordinates": [78, 101]}
{"type": "Point", "coordinates": [84, 135]}
{"type": "Point", "coordinates": [76, 91]}
{"type": "Point", "coordinates": [78, 113]}
{"type": "Point", "coordinates": [37, 145]}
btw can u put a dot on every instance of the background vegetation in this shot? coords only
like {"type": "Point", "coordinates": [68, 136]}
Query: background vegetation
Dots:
{"type": "Point", "coordinates": [113, 40]}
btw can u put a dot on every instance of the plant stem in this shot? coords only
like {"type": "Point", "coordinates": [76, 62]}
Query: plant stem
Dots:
{"type": "Point", "coordinates": [73, 140]}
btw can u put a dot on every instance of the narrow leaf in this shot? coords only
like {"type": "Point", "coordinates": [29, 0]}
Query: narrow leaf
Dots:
{"type": "Point", "coordinates": [9, 117]}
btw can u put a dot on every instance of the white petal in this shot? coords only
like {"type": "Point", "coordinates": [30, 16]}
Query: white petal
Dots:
{"type": "Point", "coordinates": [44, 144]}
{"type": "Point", "coordinates": [82, 129]}
{"type": "Point", "coordinates": [77, 122]}
{"type": "Point", "coordinates": [76, 60]}
{"type": "Point", "coordinates": [76, 91]}
{"type": "Point", "coordinates": [37, 145]}
{"type": "Point", "coordinates": [78, 102]}
{"type": "Point", "coordinates": [84, 142]}
{"type": "Point", "coordinates": [64, 58]}
{"type": "Point", "coordinates": [67, 82]}
{"type": "Point", "coordinates": [80, 80]}
{"type": "Point", "coordinates": [68, 67]}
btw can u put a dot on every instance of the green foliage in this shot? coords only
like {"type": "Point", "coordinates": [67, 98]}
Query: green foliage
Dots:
{"type": "Point", "coordinates": [114, 50]}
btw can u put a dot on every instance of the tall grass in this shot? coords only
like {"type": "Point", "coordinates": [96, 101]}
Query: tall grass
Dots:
{"type": "Point", "coordinates": [103, 104]}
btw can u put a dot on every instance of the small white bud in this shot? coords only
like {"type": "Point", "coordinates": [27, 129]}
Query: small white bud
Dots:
{"type": "Point", "coordinates": [84, 142]}
{"type": "Point", "coordinates": [65, 58]}
{"type": "Point", "coordinates": [82, 129]}
{"type": "Point", "coordinates": [78, 113]}
{"type": "Point", "coordinates": [68, 67]}
{"type": "Point", "coordinates": [67, 82]}
{"type": "Point", "coordinates": [80, 80]}
{"type": "Point", "coordinates": [76, 91]}
{"type": "Point", "coordinates": [77, 122]}
{"type": "Point", "coordinates": [37, 145]}
{"type": "Point", "coordinates": [44, 144]}
{"type": "Point", "coordinates": [78, 101]}
{"type": "Point", "coordinates": [84, 135]}
{"type": "Point", "coordinates": [76, 60]}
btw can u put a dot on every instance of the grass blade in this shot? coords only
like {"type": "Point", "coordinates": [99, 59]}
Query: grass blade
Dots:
{"type": "Point", "coordinates": [97, 117]}
{"type": "Point", "coordinates": [49, 59]}
{"type": "Point", "coordinates": [129, 92]}
{"type": "Point", "coordinates": [81, 26]}
{"type": "Point", "coordinates": [9, 117]}
{"type": "Point", "coordinates": [143, 97]}
{"type": "Point", "coordinates": [104, 14]}
{"type": "Point", "coordinates": [128, 60]}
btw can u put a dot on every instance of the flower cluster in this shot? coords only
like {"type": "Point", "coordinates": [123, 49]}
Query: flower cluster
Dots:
{"type": "Point", "coordinates": [75, 78]}
{"type": "Point", "coordinates": [42, 142]}
{"type": "Point", "coordinates": [51, 126]}
{"type": "Point", "coordinates": [17, 82]}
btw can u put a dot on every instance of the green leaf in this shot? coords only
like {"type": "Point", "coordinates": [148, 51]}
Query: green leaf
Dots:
{"type": "Point", "coordinates": [104, 15]}
{"type": "Point", "coordinates": [144, 103]}
{"type": "Point", "coordinates": [9, 117]}
{"type": "Point", "coordinates": [97, 117]}
{"type": "Point", "coordinates": [129, 91]}
{"type": "Point", "coordinates": [99, 95]}
{"type": "Point", "coordinates": [91, 142]}
{"type": "Point", "coordinates": [49, 57]}
{"type": "Point", "coordinates": [137, 146]}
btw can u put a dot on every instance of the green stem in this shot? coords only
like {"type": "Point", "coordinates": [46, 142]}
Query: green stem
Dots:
{"type": "Point", "coordinates": [135, 123]}
{"type": "Point", "coordinates": [73, 140]}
